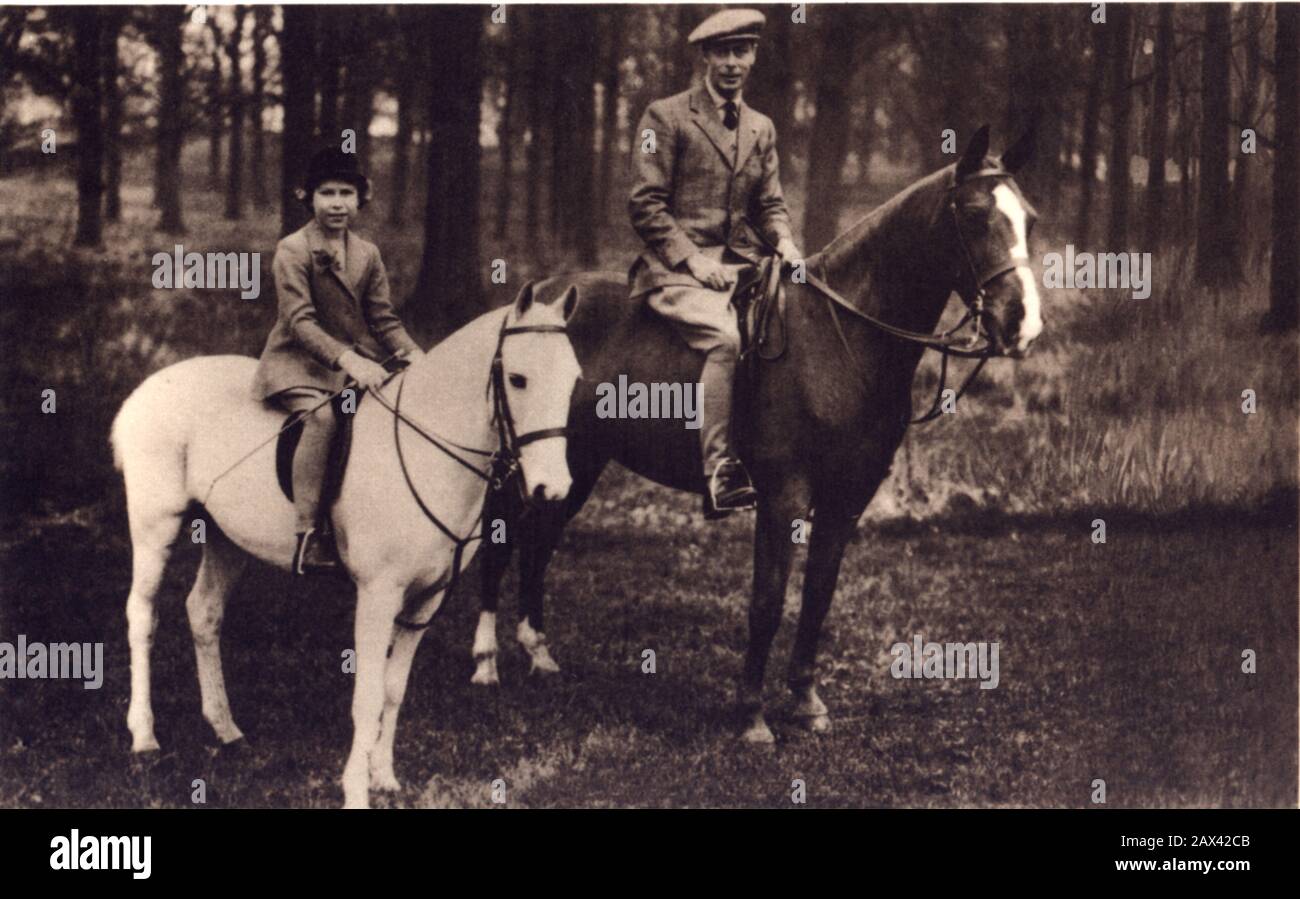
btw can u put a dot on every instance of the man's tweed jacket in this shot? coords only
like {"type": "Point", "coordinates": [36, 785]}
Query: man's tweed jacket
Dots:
{"type": "Point", "coordinates": [689, 195]}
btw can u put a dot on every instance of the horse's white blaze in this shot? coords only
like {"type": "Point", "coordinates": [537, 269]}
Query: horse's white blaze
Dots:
{"type": "Point", "coordinates": [1031, 322]}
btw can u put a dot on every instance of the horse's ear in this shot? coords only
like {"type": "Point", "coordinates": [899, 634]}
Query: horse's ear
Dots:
{"type": "Point", "coordinates": [524, 301]}
{"type": "Point", "coordinates": [569, 302]}
{"type": "Point", "coordinates": [1019, 153]}
{"type": "Point", "coordinates": [973, 159]}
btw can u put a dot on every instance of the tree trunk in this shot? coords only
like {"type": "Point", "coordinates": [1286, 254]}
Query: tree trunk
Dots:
{"type": "Point", "coordinates": [1091, 116]}
{"type": "Point", "coordinates": [87, 108]}
{"type": "Point", "coordinates": [216, 117]}
{"type": "Point", "coordinates": [299, 91]}
{"type": "Point", "coordinates": [113, 115]}
{"type": "Point", "coordinates": [770, 87]}
{"type": "Point", "coordinates": [450, 267]}
{"type": "Point", "coordinates": [401, 173]}
{"type": "Point", "coordinates": [330, 73]}
{"type": "Point", "coordinates": [1118, 176]}
{"type": "Point", "coordinates": [1216, 238]}
{"type": "Point", "coordinates": [1284, 269]}
{"type": "Point", "coordinates": [1159, 123]}
{"type": "Point", "coordinates": [580, 196]}
{"type": "Point", "coordinates": [510, 85]}
{"type": "Point", "coordinates": [359, 86]}
{"type": "Point", "coordinates": [261, 30]}
{"type": "Point", "coordinates": [829, 141]}
{"type": "Point", "coordinates": [539, 19]}
{"type": "Point", "coordinates": [1241, 181]}
{"type": "Point", "coordinates": [235, 176]}
{"type": "Point", "coordinates": [609, 144]}
{"type": "Point", "coordinates": [171, 128]}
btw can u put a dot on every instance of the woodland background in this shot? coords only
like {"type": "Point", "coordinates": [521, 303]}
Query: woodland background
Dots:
{"type": "Point", "coordinates": [511, 141]}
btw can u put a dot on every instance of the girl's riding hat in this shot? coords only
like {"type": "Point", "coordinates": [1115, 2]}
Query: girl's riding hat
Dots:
{"type": "Point", "coordinates": [332, 164]}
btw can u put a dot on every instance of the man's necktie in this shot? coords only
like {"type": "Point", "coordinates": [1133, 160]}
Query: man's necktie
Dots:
{"type": "Point", "coordinates": [730, 117]}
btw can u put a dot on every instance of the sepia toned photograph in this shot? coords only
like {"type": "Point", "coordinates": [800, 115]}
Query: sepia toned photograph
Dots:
{"type": "Point", "coordinates": [624, 406]}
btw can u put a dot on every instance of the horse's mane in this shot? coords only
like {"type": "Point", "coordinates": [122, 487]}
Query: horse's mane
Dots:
{"type": "Point", "coordinates": [864, 230]}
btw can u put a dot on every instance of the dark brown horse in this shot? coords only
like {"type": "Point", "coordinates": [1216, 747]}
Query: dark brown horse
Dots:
{"type": "Point", "coordinates": [821, 424]}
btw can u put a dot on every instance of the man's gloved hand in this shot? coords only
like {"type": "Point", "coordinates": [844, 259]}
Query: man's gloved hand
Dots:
{"type": "Point", "coordinates": [710, 273]}
{"type": "Point", "coordinates": [366, 373]}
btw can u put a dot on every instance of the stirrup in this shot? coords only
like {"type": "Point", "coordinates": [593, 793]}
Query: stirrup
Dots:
{"type": "Point", "coordinates": [721, 500]}
{"type": "Point", "coordinates": [324, 560]}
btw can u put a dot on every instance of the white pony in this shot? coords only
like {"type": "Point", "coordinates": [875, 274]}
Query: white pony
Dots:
{"type": "Point", "coordinates": [183, 436]}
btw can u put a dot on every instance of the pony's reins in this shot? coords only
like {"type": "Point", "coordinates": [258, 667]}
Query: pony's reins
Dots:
{"type": "Point", "coordinates": [504, 460]}
{"type": "Point", "coordinates": [504, 465]}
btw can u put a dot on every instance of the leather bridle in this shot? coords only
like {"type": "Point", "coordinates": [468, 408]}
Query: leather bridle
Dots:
{"type": "Point", "coordinates": [503, 464]}
{"type": "Point", "coordinates": [973, 293]}
{"type": "Point", "coordinates": [979, 279]}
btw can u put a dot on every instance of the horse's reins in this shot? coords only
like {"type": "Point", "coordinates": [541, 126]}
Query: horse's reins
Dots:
{"type": "Point", "coordinates": [504, 465]}
{"type": "Point", "coordinates": [946, 343]}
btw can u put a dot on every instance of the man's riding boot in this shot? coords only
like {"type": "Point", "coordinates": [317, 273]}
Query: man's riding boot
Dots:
{"type": "Point", "coordinates": [727, 483]}
{"type": "Point", "coordinates": [316, 553]}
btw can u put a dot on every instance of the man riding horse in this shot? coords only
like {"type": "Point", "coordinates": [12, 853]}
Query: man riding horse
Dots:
{"type": "Point", "coordinates": [709, 169]}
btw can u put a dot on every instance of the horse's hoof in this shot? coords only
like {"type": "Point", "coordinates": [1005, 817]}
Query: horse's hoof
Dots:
{"type": "Point", "coordinates": [149, 744]}
{"type": "Point", "coordinates": [817, 724]}
{"type": "Point", "coordinates": [758, 734]}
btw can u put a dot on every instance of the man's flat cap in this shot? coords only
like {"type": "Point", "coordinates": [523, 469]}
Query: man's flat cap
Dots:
{"type": "Point", "coordinates": [730, 24]}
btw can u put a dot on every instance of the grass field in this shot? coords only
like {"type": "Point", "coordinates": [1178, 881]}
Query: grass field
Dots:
{"type": "Point", "coordinates": [1119, 661]}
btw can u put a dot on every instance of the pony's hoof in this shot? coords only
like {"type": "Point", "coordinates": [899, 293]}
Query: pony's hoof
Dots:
{"type": "Point", "coordinates": [485, 673]}
{"type": "Point", "coordinates": [385, 782]}
{"type": "Point", "coordinates": [758, 734]}
{"type": "Point", "coordinates": [147, 744]}
{"type": "Point", "coordinates": [816, 724]}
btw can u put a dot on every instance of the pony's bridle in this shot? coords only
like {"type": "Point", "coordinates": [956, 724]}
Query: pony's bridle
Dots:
{"type": "Point", "coordinates": [504, 460]}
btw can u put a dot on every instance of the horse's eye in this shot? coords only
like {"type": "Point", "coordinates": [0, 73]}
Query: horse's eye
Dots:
{"type": "Point", "coordinates": [518, 381]}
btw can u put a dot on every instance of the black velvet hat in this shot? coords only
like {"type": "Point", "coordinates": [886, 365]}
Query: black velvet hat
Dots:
{"type": "Point", "coordinates": [332, 164]}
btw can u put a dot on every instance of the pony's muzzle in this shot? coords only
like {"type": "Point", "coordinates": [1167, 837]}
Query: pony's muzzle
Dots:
{"type": "Point", "coordinates": [546, 471]}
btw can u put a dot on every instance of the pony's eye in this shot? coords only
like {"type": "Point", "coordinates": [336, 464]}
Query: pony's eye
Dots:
{"type": "Point", "coordinates": [518, 381]}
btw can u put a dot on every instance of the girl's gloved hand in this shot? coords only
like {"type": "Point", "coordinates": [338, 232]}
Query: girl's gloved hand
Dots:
{"type": "Point", "coordinates": [366, 373]}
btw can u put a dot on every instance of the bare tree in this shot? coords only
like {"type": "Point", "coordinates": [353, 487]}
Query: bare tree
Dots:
{"type": "Point", "coordinates": [1118, 177]}
{"type": "Point", "coordinates": [450, 268]}
{"type": "Point", "coordinates": [299, 90]}
{"type": "Point", "coordinates": [1159, 127]}
{"type": "Point", "coordinates": [510, 86]}
{"type": "Point", "coordinates": [114, 113]}
{"type": "Point", "coordinates": [235, 175]}
{"type": "Point", "coordinates": [168, 22]}
{"type": "Point", "coordinates": [1216, 236]}
{"type": "Point", "coordinates": [1091, 120]}
{"type": "Point", "coordinates": [839, 40]}
{"type": "Point", "coordinates": [216, 108]}
{"type": "Point", "coordinates": [257, 101]}
{"type": "Point", "coordinates": [1284, 267]}
{"type": "Point", "coordinates": [87, 106]}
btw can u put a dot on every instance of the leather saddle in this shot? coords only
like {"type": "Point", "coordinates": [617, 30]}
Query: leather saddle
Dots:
{"type": "Point", "coordinates": [287, 445]}
{"type": "Point", "coordinates": [760, 309]}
